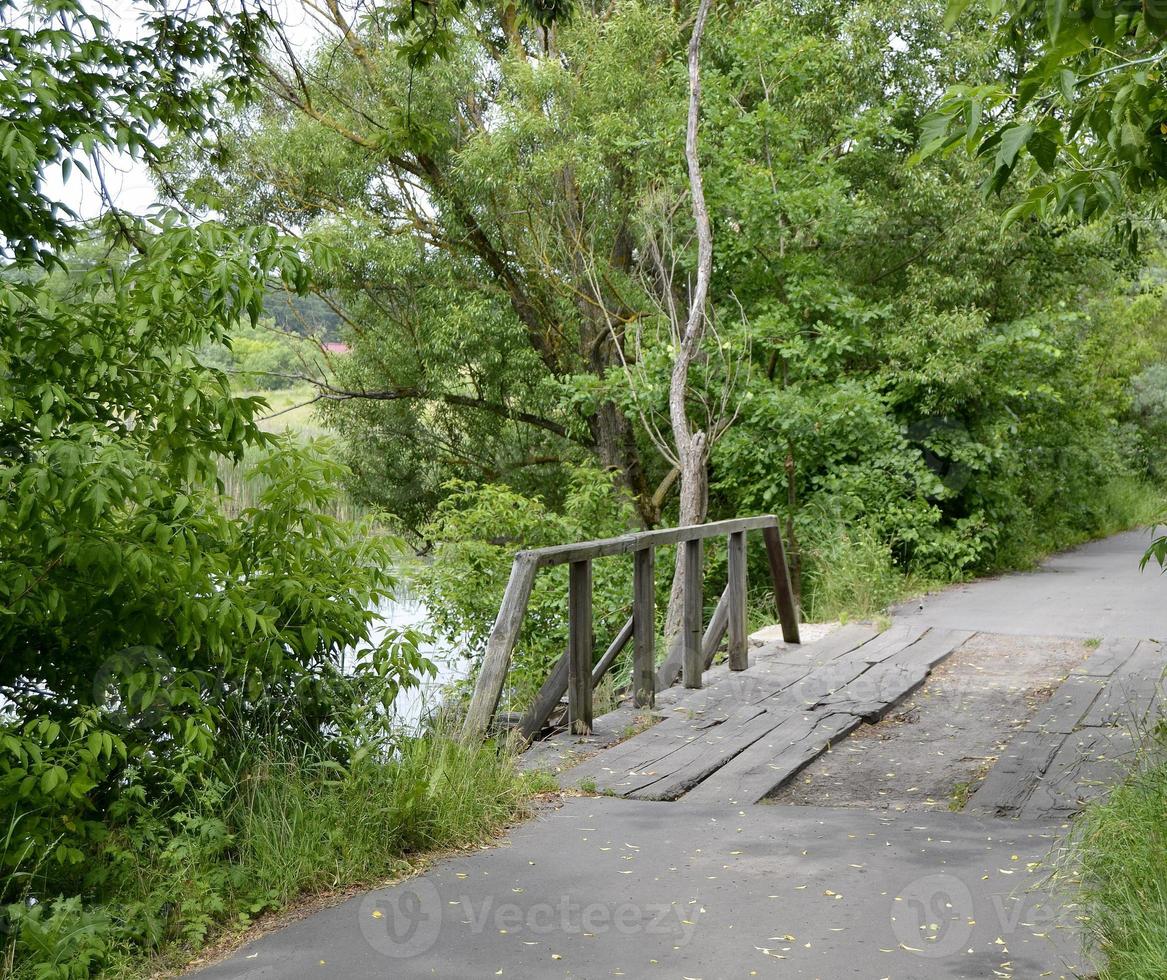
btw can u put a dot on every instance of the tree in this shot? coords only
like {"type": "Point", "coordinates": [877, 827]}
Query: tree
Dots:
{"type": "Point", "coordinates": [1080, 117]}
{"type": "Point", "coordinates": [1078, 110]}
{"type": "Point", "coordinates": [478, 301]}
{"type": "Point", "coordinates": [145, 637]}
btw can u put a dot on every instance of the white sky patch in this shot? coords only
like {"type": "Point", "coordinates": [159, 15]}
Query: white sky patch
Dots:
{"type": "Point", "coordinates": [127, 180]}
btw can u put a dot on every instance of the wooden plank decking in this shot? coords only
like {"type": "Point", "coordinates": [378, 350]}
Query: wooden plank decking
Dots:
{"type": "Point", "coordinates": [1082, 740]}
{"type": "Point", "coordinates": [743, 735]}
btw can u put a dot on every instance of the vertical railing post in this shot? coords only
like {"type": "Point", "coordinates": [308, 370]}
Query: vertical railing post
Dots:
{"type": "Point", "coordinates": [739, 658]}
{"type": "Point", "coordinates": [579, 647]}
{"type": "Point", "coordinates": [644, 627]}
{"type": "Point", "coordinates": [691, 604]}
{"type": "Point", "coordinates": [780, 575]}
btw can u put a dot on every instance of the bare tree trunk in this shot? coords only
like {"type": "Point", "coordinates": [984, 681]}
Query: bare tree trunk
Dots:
{"type": "Point", "coordinates": [692, 443]}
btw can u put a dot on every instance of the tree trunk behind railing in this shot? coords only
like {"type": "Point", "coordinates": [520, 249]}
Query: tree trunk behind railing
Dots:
{"type": "Point", "coordinates": [692, 443]}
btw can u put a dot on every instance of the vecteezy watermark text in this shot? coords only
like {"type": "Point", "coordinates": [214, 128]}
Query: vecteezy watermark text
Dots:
{"type": "Point", "coordinates": [406, 920]}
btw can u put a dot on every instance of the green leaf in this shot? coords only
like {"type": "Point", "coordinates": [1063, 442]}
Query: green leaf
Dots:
{"type": "Point", "coordinates": [1044, 150]}
{"type": "Point", "coordinates": [1055, 10]}
{"type": "Point", "coordinates": [1013, 139]}
{"type": "Point", "coordinates": [955, 9]}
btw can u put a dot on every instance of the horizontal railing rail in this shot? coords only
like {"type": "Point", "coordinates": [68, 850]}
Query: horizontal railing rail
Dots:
{"type": "Point", "coordinates": [688, 657]}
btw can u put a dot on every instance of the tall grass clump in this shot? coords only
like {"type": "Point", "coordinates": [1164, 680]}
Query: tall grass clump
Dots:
{"type": "Point", "coordinates": [1117, 858]}
{"type": "Point", "coordinates": [850, 574]}
{"type": "Point", "coordinates": [287, 824]}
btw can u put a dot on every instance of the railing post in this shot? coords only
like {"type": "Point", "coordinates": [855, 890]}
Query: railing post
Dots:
{"type": "Point", "coordinates": [497, 659]}
{"type": "Point", "coordinates": [691, 660]}
{"type": "Point", "coordinates": [644, 627]}
{"type": "Point", "coordinates": [579, 647]}
{"type": "Point", "coordinates": [739, 656]}
{"type": "Point", "coordinates": [780, 575]}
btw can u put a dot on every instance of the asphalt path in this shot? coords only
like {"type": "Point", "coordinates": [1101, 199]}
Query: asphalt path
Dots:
{"type": "Point", "coordinates": [601, 887]}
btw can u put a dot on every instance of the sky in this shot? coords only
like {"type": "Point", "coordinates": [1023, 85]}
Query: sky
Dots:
{"type": "Point", "coordinates": [129, 181]}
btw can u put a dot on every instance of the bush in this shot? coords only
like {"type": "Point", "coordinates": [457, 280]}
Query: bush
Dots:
{"type": "Point", "coordinates": [288, 823]}
{"type": "Point", "coordinates": [480, 527]}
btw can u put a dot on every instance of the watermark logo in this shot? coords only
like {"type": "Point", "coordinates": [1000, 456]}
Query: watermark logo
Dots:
{"type": "Point", "coordinates": [404, 921]}
{"type": "Point", "coordinates": [932, 916]}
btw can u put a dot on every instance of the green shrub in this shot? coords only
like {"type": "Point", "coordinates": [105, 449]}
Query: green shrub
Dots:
{"type": "Point", "coordinates": [248, 843]}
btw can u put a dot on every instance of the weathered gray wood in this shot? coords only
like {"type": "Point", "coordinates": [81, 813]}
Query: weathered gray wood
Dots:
{"type": "Point", "coordinates": [874, 692]}
{"type": "Point", "coordinates": [694, 713]}
{"type": "Point", "coordinates": [1112, 653]}
{"type": "Point", "coordinates": [739, 656]}
{"type": "Point", "coordinates": [561, 554]}
{"type": "Point", "coordinates": [644, 628]}
{"type": "Point", "coordinates": [715, 631]}
{"type": "Point", "coordinates": [670, 668]}
{"type": "Point", "coordinates": [1068, 705]}
{"type": "Point", "coordinates": [550, 694]}
{"type": "Point", "coordinates": [1132, 691]}
{"type": "Point", "coordinates": [773, 760]}
{"type": "Point", "coordinates": [613, 651]}
{"type": "Point", "coordinates": [780, 575]}
{"type": "Point", "coordinates": [842, 641]}
{"type": "Point", "coordinates": [553, 689]}
{"type": "Point", "coordinates": [580, 647]}
{"type": "Point", "coordinates": [692, 664]}
{"type": "Point", "coordinates": [781, 705]}
{"type": "Point", "coordinates": [1011, 781]}
{"type": "Point", "coordinates": [1085, 767]}
{"type": "Point", "coordinates": [497, 659]}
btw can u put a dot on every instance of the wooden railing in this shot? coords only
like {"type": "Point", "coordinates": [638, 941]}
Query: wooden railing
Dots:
{"type": "Point", "coordinates": [689, 656]}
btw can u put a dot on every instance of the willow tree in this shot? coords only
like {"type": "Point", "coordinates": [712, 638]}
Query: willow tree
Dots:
{"type": "Point", "coordinates": [483, 205]}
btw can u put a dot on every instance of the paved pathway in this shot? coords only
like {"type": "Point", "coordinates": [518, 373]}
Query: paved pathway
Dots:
{"type": "Point", "coordinates": [604, 887]}
{"type": "Point", "coordinates": [1093, 591]}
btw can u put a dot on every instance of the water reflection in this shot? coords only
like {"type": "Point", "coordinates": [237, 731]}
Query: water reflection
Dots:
{"type": "Point", "coordinates": [413, 705]}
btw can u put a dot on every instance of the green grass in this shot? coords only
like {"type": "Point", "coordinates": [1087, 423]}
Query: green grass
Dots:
{"type": "Point", "coordinates": [1117, 862]}
{"type": "Point", "coordinates": [291, 410]}
{"type": "Point", "coordinates": [284, 827]}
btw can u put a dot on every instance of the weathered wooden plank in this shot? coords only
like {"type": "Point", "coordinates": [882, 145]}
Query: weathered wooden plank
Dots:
{"type": "Point", "coordinates": [580, 647]}
{"type": "Point", "coordinates": [780, 575]}
{"type": "Point", "coordinates": [549, 696]}
{"type": "Point", "coordinates": [1111, 654]}
{"type": "Point", "coordinates": [670, 668]}
{"type": "Point", "coordinates": [496, 661]}
{"type": "Point", "coordinates": [553, 689]}
{"type": "Point", "coordinates": [896, 669]}
{"type": "Point", "coordinates": [774, 759]}
{"type": "Point", "coordinates": [698, 712]}
{"type": "Point", "coordinates": [1068, 705]}
{"type": "Point", "coordinates": [692, 663]}
{"type": "Point", "coordinates": [693, 759]}
{"type": "Point", "coordinates": [833, 676]}
{"type": "Point", "coordinates": [1085, 767]}
{"type": "Point", "coordinates": [1011, 781]}
{"type": "Point", "coordinates": [735, 596]}
{"type": "Point", "coordinates": [742, 708]}
{"type": "Point", "coordinates": [715, 631]}
{"type": "Point", "coordinates": [872, 694]}
{"type": "Point", "coordinates": [618, 643]}
{"type": "Point", "coordinates": [1132, 692]}
{"type": "Point", "coordinates": [644, 627]}
{"type": "Point", "coordinates": [588, 550]}
{"type": "Point", "coordinates": [841, 641]}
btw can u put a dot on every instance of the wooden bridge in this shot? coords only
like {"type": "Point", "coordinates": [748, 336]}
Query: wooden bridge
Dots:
{"type": "Point", "coordinates": [737, 732]}
{"type": "Point", "coordinates": [577, 672]}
